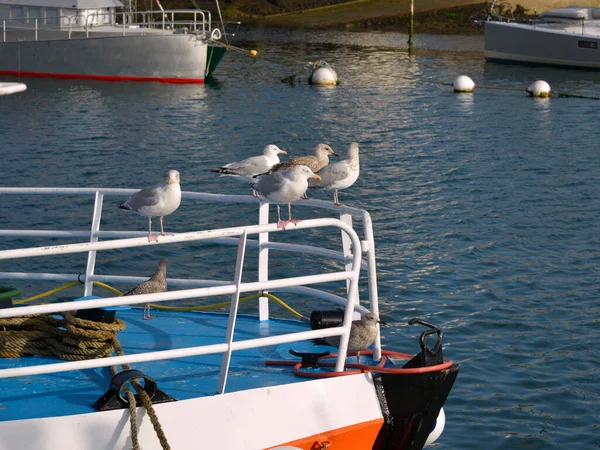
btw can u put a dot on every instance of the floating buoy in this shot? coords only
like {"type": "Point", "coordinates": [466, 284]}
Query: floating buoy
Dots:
{"type": "Point", "coordinates": [539, 89]}
{"type": "Point", "coordinates": [12, 88]}
{"type": "Point", "coordinates": [463, 84]}
{"type": "Point", "coordinates": [253, 53]}
{"type": "Point", "coordinates": [437, 430]}
{"type": "Point", "coordinates": [323, 75]}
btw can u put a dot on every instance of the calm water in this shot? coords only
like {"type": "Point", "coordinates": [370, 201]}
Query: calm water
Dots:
{"type": "Point", "coordinates": [485, 206]}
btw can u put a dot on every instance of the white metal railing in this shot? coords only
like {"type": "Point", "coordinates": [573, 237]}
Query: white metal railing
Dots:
{"type": "Point", "coordinates": [351, 255]}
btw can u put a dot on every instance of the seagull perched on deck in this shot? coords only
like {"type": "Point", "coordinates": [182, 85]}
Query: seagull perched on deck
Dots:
{"type": "Point", "coordinates": [157, 201]}
{"type": "Point", "coordinates": [339, 175]}
{"type": "Point", "coordinates": [284, 187]}
{"type": "Point", "coordinates": [156, 283]}
{"type": "Point", "coordinates": [362, 335]}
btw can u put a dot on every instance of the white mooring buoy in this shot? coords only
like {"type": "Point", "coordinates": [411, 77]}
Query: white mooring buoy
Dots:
{"type": "Point", "coordinates": [463, 84]}
{"type": "Point", "coordinates": [323, 75]}
{"type": "Point", "coordinates": [437, 430]}
{"type": "Point", "coordinates": [539, 89]}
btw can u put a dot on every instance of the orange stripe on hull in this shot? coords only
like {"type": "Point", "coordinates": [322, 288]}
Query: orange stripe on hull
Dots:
{"type": "Point", "coordinates": [360, 436]}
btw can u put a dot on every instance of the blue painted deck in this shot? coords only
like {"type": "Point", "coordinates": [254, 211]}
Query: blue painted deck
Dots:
{"type": "Point", "coordinates": [73, 392]}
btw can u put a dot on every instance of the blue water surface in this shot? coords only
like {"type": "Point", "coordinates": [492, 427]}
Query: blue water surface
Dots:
{"type": "Point", "coordinates": [485, 205]}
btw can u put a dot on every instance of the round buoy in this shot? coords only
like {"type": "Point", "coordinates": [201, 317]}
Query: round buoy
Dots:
{"type": "Point", "coordinates": [539, 89]}
{"type": "Point", "coordinates": [324, 76]}
{"type": "Point", "coordinates": [437, 430]}
{"type": "Point", "coordinates": [11, 88]}
{"type": "Point", "coordinates": [463, 84]}
{"type": "Point", "coordinates": [253, 52]}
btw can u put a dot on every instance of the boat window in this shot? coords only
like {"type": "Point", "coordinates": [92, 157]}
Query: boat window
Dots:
{"type": "Point", "coordinates": [587, 44]}
{"type": "Point", "coordinates": [35, 13]}
{"type": "Point", "coordinates": [17, 13]}
{"type": "Point", "coordinates": [52, 16]}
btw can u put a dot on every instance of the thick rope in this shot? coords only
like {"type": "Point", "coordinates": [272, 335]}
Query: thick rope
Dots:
{"type": "Point", "coordinates": [146, 402]}
{"type": "Point", "coordinates": [70, 337]}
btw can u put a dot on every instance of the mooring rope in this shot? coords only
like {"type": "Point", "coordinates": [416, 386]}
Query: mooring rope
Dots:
{"type": "Point", "coordinates": [146, 402]}
{"type": "Point", "coordinates": [69, 338]}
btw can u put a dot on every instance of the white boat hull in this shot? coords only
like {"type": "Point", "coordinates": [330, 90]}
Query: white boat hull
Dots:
{"type": "Point", "coordinates": [514, 42]}
{"type": "Point", "coordinates": [170, 58]}
{"type": "Point", "coordinates": [252, 419]}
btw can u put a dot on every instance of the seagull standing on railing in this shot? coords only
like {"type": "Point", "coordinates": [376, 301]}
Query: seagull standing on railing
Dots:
{"type": "Point", "coordinates": [157, 201]}
{"type": "Point", "coordinates": [156, 283]}
{"type": "Point", "coordinates": [255, 165]}
{"type": "Point", "coordinates": [339, 175]}
{"type": "Point", "coordinates": [314, 162]}
{"type": "Point", "coordinates": [362, 335]}
{"type": "Point", "coordinates": [284, 187]}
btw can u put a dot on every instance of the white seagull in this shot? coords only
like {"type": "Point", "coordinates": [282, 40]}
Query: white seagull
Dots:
{"type": "Point", "coordinates": [339, 175]}
{"type": "Point", "coordinates": [157, 201]}
{"type": "Point", "coordinates": [284, 187]}
{"type": "Point", "coordinates": [254, 165]}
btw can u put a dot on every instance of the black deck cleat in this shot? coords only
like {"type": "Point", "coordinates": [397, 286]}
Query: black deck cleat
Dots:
{"type": "Point", "coordinates": [309, 360]}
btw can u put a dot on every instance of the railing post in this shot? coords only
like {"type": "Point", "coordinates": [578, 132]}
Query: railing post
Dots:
{"type": "Point", "coordinates": [233, 309]}
{"type": "Point", "coordinates": [91, 263]}
{"type": "Point", "coordinates": [348, 315]}
{"type": "Point", "coordinates": [372, 278]}
{"type": "Point", "coordinates": [263, 260]}
{"type": "Point", "coordinates": [4, 29]}
{"type": "Point", "coordinates": [36, 29]}
{"type": "Point", "coordinates": [346, 243]}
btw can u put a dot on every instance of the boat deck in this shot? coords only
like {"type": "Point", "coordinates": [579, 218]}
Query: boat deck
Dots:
{"type": "Point", "coordinates": [74, 392]}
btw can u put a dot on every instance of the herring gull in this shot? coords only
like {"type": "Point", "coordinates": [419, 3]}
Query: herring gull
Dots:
{"type": "Point", "coordinates": [339, 175]}
{"type": "Point", "coordinates": [156, 283]}
{"type": "Point", "coordinates": [284, 187]}
{"type": "Point", "coordinates": [314, 162]}
{"type": "Point", "coordinates": [254, 165]}
{"type": "Point", "coordinates": [157, 201]}
{"type": "Point", "coordinates": [362, 335]}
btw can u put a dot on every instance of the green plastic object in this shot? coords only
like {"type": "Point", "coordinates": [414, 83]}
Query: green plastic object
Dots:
{"type": "Point", "coordinates": [8, 293]}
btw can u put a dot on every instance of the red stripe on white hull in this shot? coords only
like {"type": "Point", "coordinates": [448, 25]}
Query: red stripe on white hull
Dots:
{"type": "Point", "coordinates": [102, 77]}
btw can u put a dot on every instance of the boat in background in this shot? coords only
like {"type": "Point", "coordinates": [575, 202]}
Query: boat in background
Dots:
{"type": "Point", "coordinates": [107, 40]}
{"type": "Point", "coordinates": [566, 37]}
{"type": "Point", "coordinates": [11, 88]}
{"type": "Point", "coordinates": [198, 379]}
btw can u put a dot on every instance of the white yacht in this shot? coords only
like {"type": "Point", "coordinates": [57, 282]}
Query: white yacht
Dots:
{"type": "Point", "coordinates": [107, 40]}
{"type": "Point", "coordinates": [567, 36]}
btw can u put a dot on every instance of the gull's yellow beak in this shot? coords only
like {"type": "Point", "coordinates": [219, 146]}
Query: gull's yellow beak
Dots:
{"type": "Point", "coordinates": [316, 177]}
{"type": "Point", "coordinates": [284, 152]}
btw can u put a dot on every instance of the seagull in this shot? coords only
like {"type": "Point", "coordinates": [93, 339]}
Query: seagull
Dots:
{"type": "Point", "coordinates": [339, 175]}
{"type": "Point", "coordinates": [362, 335]}
{"type": "Point", "coordinates": [314, 162]}
{"type": "Point", "coordinates": [284, 187]}
{"type": "Point", "coordinates": [156, 283]}
{"type": "Point", "coordinates": [249, 167]}
{"type": "Point", "coordinates": [157, 201]}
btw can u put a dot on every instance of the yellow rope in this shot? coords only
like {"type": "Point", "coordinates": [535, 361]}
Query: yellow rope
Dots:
{"type": "Point", "coordinates": [62, 288]}
{"type": "Point", "coordinates": [164, 307]}
{"type": "Point", "coordinates": [47, 293]}
{"type": "Point", "coordinates": [223, 304]}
